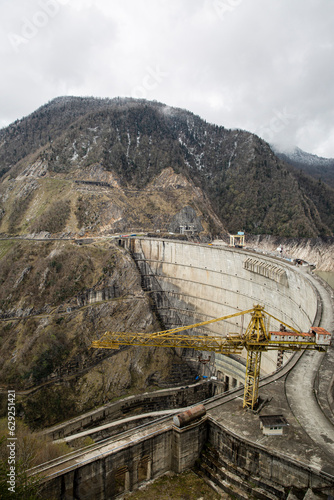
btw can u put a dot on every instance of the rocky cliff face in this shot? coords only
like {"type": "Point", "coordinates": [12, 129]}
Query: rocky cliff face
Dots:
{"type": "Point", "coordinates": [186, 221]}
{"type": "Point", "coordinates": [94, 203]}
{"type": "Point", "coordinates": [316, 251]}
{"type": "Point", "coordinates": [55, 298]}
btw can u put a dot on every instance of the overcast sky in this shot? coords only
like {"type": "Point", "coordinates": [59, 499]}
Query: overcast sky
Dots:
{"type": "Point", "coordinates": [266, 66]}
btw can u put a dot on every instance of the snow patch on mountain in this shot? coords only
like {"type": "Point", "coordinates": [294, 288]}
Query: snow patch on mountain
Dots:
{"type": "Point", "coordinates": [299, 156]}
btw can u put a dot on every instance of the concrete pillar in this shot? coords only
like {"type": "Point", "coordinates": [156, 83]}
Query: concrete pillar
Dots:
{"type": "Point", "coordinates": [187, 444]}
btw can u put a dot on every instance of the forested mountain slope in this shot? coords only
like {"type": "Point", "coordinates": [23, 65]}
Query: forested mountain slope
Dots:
{"type": "Point", "coordinates": [313, 165]}
{"type": "Point", "coordinates": [99, 165]}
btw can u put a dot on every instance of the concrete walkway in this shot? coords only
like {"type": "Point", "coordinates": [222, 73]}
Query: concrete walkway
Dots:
{"type": "Point", "coordinates": [300, 384]}
{"type": "Point", "coordinates": [304, 405]}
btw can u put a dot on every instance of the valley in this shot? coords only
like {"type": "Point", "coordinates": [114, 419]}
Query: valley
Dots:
{"type": "Point", "coordinates": [79, 173]}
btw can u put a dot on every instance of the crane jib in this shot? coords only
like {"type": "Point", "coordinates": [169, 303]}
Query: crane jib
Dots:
{"type": "Point", "coordinates": [255, 340]}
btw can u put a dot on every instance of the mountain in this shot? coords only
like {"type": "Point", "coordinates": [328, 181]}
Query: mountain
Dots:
{"type": "Point", "coordinates": [97, 166]}
{"type": "Point", "coordinates": [316, 166]}
{"type": "Point", "coordinates": [90, 167]}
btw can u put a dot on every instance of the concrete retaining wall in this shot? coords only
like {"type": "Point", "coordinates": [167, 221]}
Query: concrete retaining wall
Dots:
{"type": "Point", "coordinates": [119, 467]}
{"type": "Point", "coordinates": [257, 461]}
{"type": "Point", "coordinates": [111, 473]}
{"type": "Point", "coordinates": [122, 467]}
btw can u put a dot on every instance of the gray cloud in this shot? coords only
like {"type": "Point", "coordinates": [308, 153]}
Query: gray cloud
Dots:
{"type": "Point", "coordinates": [262, 66]}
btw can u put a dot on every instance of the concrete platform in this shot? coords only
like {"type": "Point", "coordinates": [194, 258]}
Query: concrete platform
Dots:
{"type": "Point", "coordinates": [295, 442]}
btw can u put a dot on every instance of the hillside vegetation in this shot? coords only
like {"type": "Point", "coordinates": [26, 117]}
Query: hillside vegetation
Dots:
{"type": "Point", "coordinates": [55, 298]}
{"type": "Point", "coordinates": [315, 166]}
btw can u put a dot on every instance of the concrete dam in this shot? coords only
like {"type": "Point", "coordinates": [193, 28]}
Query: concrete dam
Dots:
{"type": "Point", "coordinates": [191, 283]}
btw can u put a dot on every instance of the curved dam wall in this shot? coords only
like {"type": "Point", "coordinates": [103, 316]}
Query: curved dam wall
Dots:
{"type": "Point", "coordinates": [192, 283]}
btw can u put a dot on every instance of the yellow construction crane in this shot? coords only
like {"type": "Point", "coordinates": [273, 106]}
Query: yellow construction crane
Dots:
{"type": "Point", "coordinates": [255, 340]}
